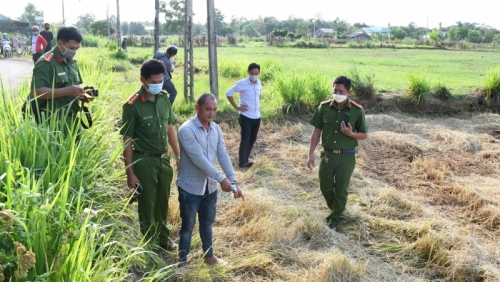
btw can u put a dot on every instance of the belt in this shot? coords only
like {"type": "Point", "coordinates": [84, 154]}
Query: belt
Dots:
{"type": "Point", "coordinates": [161, 155]}
{"type": "Point", "coordinates": [346, 151]}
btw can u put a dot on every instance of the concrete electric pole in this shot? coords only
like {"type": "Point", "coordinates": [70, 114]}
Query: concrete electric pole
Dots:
{"type": "Point", "coordinates": [157, 25]}
{"type": "Point", "coordinates": [212, 49]}
{"type": "Point", "coordinates": [188, 52]}
{"type": "Point", "coordinates": [118, 28]}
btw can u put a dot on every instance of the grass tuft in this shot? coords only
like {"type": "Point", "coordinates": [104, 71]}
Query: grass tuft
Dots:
{"type": "Point", "coordinates": [418, 87]}
{"type": "Point", "coordinates": [440, 90]}
{"type": "Point", "coordinates": [362, 85]}
{"type": "Point", "coordinates": [491, 85]}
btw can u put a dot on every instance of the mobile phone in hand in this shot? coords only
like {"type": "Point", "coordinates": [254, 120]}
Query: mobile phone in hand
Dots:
{"type": "Point", "coordinates": [346, 119]}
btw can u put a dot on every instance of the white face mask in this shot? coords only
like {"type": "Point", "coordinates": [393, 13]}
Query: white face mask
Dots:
{"type": "Point", "coordinates": [339, 98]}
{"type": "Point", "coordinates": [253, 77]}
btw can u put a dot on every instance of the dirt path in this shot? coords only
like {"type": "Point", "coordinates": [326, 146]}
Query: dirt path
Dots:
{"type": "Point", "coordinates": [13, 71]}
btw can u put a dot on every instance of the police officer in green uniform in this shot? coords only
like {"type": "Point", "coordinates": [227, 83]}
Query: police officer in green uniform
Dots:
{"type": "Point", "coordinates": [147, 130]}
{"type": "Point", "coordinates": [56, 77]}
{"type": "Point", "coordinates": [339, 141]}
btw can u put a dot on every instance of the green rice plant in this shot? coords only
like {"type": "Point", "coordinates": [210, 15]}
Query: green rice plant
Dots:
{"type": "Point", "coordinates": [319, 87]}
{"type": "Point", "coordinates": [362, 85]}
{"type": "Point", "coordinates": [269, 68]}
{"type": "Point", "coordinates": [292, 89]}
{"type": "Point", "coordinates": [61, 202]}
{"type": "Point", "coordinates": [491, 85]}
{"type": "Point", "coordinates": [231, 68]}
{"type": "Point", "coordinates": [418, 87]}
{"type": "Point", "coordinates": [440, 90]}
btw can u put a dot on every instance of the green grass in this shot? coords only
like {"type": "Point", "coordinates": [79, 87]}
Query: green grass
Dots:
{"type": "Point", "coordinates": [418, 87]}
{"type": "Point", "coordinates": [363, 85]}
{"type": "Point", "coordinates": [491, 84]}
{"type": "Point", "coordinates": [61, 195]}
{"type": "Point", "coordinates": [462, 71]}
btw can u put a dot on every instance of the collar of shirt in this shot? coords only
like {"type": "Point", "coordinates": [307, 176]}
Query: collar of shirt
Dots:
{"type": "Point", "coordinates": [197, 122]}
{"type": "Point", "coordinates": [347, 104]}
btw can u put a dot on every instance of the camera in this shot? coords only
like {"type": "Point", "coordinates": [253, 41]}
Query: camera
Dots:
{"type": "Point", "coordinates": [136, 193]}
{"type": "Point", "coordinates": [90, 93]}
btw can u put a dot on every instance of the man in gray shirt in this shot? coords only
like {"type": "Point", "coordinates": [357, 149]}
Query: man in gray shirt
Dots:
{"type": "Point", "coordinates": [201, 143]}
{"type": "Point", "coordinates": [168, 59]}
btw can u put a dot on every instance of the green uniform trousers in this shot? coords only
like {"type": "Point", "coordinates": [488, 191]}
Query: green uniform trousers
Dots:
{"type": "Point", "coordinates": [335, 172]}
{"type": "Point", "coordinates": [155, 175]}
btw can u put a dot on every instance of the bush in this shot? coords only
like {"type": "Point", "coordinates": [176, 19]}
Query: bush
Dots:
{"type": "Point", "coordinates": [301, 44]}
{"type": "Point", "coordinates": [369, 44]}
{"type": "Point", "coordinates": [112, 46]}
{"type": "Point", "coordinates": [441, 91]}
{"type": "Point", "coordinates": [120, 55]}
{"type": "Point", "coordinates": [269, 68]}
{"type": "Point", "coordinates": [319, 87]}
{"type": "Point", "coordinates": [232, 68]}
{"type": "Point", "coordinates": [291, 88]}
{"type": "Point", "coordinates": [418, 87]}
{"type": "Point", "coordinates": [93, 41]}
{"type": "Point", "coordinates": [352, 44]}
{"type": "Point", "coordinates": [491, 85]}
{"type": "Point", "coordinates": [362, 85]}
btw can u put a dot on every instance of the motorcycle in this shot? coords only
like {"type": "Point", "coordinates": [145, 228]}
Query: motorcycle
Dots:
{"type": "Point", "coordinates": [7, 50]}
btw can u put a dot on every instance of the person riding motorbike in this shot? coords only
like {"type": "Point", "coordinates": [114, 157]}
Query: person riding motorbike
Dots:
{"type": "Point", "coordinates": [4, 41]}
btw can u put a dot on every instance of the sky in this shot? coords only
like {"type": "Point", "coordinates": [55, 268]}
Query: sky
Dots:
{"type": "Point", "coordinates": [372, 12]}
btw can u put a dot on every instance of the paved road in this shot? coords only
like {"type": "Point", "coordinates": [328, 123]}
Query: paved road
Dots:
{"type": "Point", "coordinates": [13, 71]}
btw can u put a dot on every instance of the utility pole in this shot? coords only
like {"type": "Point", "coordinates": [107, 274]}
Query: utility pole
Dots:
{"type": "Point", "coordinates": [118, 28]}
{"type": "Point", "coordinates": [188, 52]}
{"type": "Point", "coordinates": [157, 25]}
{"type": "Point", "coordinates": [107, 19]}
{"type": "Point", "coordinates": [63, 11]}
{"type": "Point", "coordinates": [212, 49]}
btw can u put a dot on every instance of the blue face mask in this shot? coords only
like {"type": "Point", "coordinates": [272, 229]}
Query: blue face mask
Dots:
{"type": "Point", "coordinates": [155, 89]}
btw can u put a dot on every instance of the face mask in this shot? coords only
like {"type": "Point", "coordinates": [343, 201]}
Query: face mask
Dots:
{"type": "Point", "coordinates": [155, 89]}
{"type": "Point", "coordinates": [339, 98]}
{"type": "Point", "coordinates": [253, 77]}
{"type": "Point", "coordinates": [47, 28]}
{"type": "Point", "coordinates": [34, 32]}
{"type": "Point", "coordinates": [68, 53]}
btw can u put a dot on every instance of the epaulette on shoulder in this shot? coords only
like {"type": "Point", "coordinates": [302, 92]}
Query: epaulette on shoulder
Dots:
{"type": "Point", "coordinates": [326, 102]}
{"type": "Point", "coordinates": [164, 92]}
{"type": "Point", "coordinates": [132, 98]}
{"type": "Point", "coordinates": [356, 104]}
{"type": "Point", "coordinates": [49, 57]}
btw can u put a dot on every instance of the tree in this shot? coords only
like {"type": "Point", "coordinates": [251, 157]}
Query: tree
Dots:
{"type": "Point", "coordinates": [221, 28]}
{"type": "Point", "coordinates": [174, 16]}
{"type": "Point", "coordinates": [30, 12]}
{"type": "Point", "coordinates": [474, 36]}
{"type": "Point", "coordinates": [85, 20]}
{"type": "Point", "coordinates": [434, 36]}
{"type": "Point", "coordinates": [101, 28]}
{"type": "Point", "coordinates": [137, 28]}
{"type": "Point", "coordinates": [303, 28]}
{"type": "Point", "coordinates": [248, 31]}
{"type": "Point", "coordinates": [452, 33]}
{"type": "Point", "coordinates": [125, 27]}
{"type": "Point", "coordinates": [398, 33]}
{"type": "Point", "coordinates": [8, 25]}
{"type": "Point", "coordinates": [198, 28]}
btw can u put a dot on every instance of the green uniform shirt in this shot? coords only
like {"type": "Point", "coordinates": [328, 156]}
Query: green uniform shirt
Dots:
{"type": "Point", "coordinates": [328, 118]}
{"type": "Point", "coordinates": [53, 71]}
{"type": "Point", "coordinates": [147, 121]}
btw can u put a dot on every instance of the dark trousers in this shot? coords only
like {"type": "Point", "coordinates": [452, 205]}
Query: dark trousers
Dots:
{"type": "Point", "coordinates": [155, 175]}
{"type": "Point", "coordinates": [205, 207]}
{"type": "Point", "coordinates": [335, 172]}
{"type": "Point", "coordinates": [249, 130]}
{"type": "Point", "coordinates": [169, 86]}
{"type": "Point", "coordinates": [36, 56]}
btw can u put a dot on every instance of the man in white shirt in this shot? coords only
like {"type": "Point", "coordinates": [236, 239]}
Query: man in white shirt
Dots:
{"type": "Point", "coordinates": [250, 90]}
